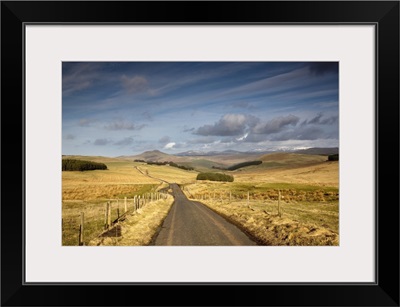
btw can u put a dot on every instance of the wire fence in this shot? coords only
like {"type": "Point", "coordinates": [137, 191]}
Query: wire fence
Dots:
{"type": "Point", "coordinates": [83, 221]}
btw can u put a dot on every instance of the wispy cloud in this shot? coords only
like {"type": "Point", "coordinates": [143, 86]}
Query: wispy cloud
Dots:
{"type": "Point", "coordinates": [243, 105]}
{"type": "Point", "coordinates": [147, 115]}
{"type": "Point", "coordinates": [228, 125]}
{"type": "Point", "coordinates": [102, 142]}
{"type": "Point", "coordinates": [276, 125]}
{"type": "Point", "coordinates": [125, 141]}
{"type": "Point", "coordinates": [319, 119]}
{"type": "Point", "coordinates": [123, 125]}
{"type": "Point", "coordinates": [86, 122]}
{"type": "Point", "coordinates": [69, 137]}
{"type": "Point", "coordinates": [326, 104]}
{"type": "Point", "coordinates": [134, 84]}
{"type": "Point", "coordinates": [77, 77]}
{"type": "Point", "coordinates": [188, 129]}
{"type": "Point", "coordinates": [136, 106]}
{"type": "Point", "coordinates": [302, 133]}
{"type": "Point", "coordinates": [164, 140]}
{"type": "Point", "coordinates": [202, 140]}
{"type": "Point", "coordinates": [322, 68]}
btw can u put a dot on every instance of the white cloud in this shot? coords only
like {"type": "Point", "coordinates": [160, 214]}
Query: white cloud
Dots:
{"type": "Point", "coordinates": [228, 125]}
{"type": "Point", "coordinates": [170, 145]}
{"type": "Point", "coordinates": [243, 137]}
{"type": "Point", "coordinates": [135, 84]}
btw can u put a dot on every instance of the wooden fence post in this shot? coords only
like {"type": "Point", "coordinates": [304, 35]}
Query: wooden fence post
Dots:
{"type": "Point", "coordinates": [126, 208]}
{"type": "Point", "coordinates": [81, 230]}
{"type": "Point", "coordinates": [248, 197]}
{"type": "Point", "coordinates": [109, 215]}
{"type": "Point", "coordinates": [230, 195]}
{"type": "Point", "coordinates": [279, 202]}
{"type": "Point", "coordinates": [106, 216]}
{"type": "Point", "coordinates": [134, 202]}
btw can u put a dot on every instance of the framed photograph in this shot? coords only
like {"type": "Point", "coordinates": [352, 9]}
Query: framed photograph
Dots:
{"type": "Point", "coordinates": [240, 147]}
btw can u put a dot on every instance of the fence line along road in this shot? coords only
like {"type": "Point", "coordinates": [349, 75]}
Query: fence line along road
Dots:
{"type": "Point", "coordinates": [113, 214]}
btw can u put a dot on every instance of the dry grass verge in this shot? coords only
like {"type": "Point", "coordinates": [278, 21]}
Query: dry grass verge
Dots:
{"type": "Point", "coordinates": [138, 228]}
{"type": "Point", "coordinates": [309, 215]}
{"type": "Point", "coordinates": [299, 224]}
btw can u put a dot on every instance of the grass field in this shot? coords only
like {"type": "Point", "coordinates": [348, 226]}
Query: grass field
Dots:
{"type": "Point", "coordinates": [299, 223]}
{"type": "Point", "coordinates": [89, 191]}
{"type": "Point", "coordinates": [307, 215]}
{"type": "Point", "coordinates": [138, 228]}
{"type": "Point", "coordinates": [309, 207]}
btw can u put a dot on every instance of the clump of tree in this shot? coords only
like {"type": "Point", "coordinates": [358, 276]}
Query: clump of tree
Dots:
{"type": "Point", "coordinates": [215, 177]}
{"type": "Point", "coordinates": [156, 163]}
{"type": "Point", "coordinates": [237, 166]}
{"type": "Point", "coordinates": [81, 165]}
{"type": "Point", "coordinates": [243, 164]}
{"type": "Point", "coordinates": [334, 157]}
{"type": "Point", "coordinates": [138, 160]}
{"type": "Point", "coordinates": [187, 168]}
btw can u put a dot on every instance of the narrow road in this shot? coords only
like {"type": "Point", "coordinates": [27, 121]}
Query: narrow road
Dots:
{"type": "Point", "coordinates": [192, 223]}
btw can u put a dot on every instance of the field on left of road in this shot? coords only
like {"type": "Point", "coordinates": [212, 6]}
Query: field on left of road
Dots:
{"type": "Point", "coordinates": [89, 192]}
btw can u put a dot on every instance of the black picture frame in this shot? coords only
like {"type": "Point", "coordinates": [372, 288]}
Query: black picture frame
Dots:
{"type": "Point", "coordinates": [383, 14]}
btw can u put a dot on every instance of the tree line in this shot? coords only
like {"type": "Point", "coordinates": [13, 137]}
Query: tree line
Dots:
{"type": "Point", "coordinates": [81, 165]}
{"type": "Point", "coordinates": [187, 168]}
{"type": "Point", "coordinates": [215, 177]}
{"type": "Point", "coordinates": [334, 157]}
{"type": "Point", "coordinates": [239, 165]}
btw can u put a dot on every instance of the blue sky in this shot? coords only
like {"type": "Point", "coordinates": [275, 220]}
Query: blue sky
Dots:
{"type": "Point", "coordinates": [125, 108]}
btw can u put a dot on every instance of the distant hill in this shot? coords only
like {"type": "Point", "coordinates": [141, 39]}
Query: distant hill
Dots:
{"type": "Point", "coordinates": [155, 156]}
{"type": "Point", "coordinates": [196, 153]}
{"type": "Point", "coordinates": [308, 151]}
{"type": "Point", "coordinates": [91, 158]}
{"type": "Point", "coordinates": [201, 159]}
{"type": "Point", "coordinates": [319, 151]}
{"type": "Point", "coordinates": [291, 159]}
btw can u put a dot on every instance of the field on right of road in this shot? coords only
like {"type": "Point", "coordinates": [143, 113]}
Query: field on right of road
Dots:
{"type": "Point", "coordinates": [306, 212]}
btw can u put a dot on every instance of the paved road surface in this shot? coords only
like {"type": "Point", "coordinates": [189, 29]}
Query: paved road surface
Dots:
{"type": "Point", "coordinates": [192, 223]}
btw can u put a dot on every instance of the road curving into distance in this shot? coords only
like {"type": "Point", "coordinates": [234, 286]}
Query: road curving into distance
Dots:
{"type": "Point", "coordinates": [192, 223]}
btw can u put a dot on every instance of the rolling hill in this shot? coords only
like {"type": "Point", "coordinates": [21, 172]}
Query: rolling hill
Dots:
{"type": "Point", "coordinates": [155, 156]}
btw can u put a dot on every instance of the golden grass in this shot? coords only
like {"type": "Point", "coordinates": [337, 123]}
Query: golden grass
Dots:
{"type": "Point", "coordinates": [168, 173]}
{"type": "Point", "coordinates": [89, 191]}
{"type": "Point", "coordinates": [299, 224]}
{"type": "Point", "coordinates": [104, 191]}
{"type": "Point", "coordinates": [93, 224]}
{"type": "Point", "coordinates": [120, 180]}
{"type": "Point", "coordinates": [320, 174]}
{"type": "Point", "coordinates": [139, 228]}
{"type": "Point", "coordinates": [94, 216]}
{"type": "Point", "coordinates": [309, 204]}
{"type": "Point", "coordinates": [309, 211]}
